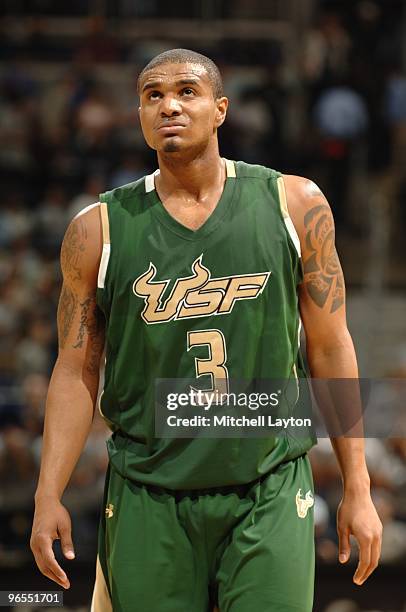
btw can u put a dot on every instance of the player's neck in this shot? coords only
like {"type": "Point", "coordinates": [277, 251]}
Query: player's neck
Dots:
{"type": "Point", "coordinates": [195, 177]}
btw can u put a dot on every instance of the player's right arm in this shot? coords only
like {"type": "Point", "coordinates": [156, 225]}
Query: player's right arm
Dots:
{"type": "Point", "coordinates": [72, 390]}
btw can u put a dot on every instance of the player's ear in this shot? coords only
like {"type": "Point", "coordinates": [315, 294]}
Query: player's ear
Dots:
{"type": "Point", "coordinates": [221, 110]}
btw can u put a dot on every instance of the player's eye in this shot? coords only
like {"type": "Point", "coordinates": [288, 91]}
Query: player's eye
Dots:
{"type": "Point", "coordinates": [153, 95]}
{"type": "Point", "coordinates": [187, 91]}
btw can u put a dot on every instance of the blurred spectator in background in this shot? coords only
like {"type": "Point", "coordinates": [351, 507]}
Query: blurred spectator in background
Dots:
{"type": "Point", "coordinates": [94, 119]}
{"type": "Point", "coordinates": [94, 185]}
{"type": "Point", "coordinates": [51, 219]}
{"type": "Point", "coordinates": [15, 224]}
{"type": "Point", "coordinates": [394, 531]}
{"type": "Point", "coordinates": [130, 168]}
{"type": "Point", "coordinates": [326, 54]}
{"type": "Point", "coordinates": [98, 45]}
{"type": "Point", "coordinates": [253, 122]}
{"type": "Point", "coordinates": [341, 119]}
{"type": "Point", "coordinates": [33, 353]}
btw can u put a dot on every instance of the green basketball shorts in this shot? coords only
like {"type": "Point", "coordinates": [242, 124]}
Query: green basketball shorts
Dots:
{"type": "Point", "coordinates": [242, 548]}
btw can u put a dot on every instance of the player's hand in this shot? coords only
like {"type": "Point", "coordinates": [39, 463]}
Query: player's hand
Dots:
{"type": "Point", "coordinates": [357, 516]}
{"type": "Point", "coordinates": [51, 522]}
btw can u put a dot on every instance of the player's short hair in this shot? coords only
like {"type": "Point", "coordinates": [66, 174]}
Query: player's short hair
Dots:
{"type": "Point", "coordinates": [181, 56]}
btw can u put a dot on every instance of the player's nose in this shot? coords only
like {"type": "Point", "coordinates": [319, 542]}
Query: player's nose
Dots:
{"type": "Point", "coordinates": [170, 106]}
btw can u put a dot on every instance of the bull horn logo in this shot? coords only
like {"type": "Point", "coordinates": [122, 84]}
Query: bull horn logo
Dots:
{"type": "Point", "coordinates": [109, 511]}
{"type": "Point", "coordinates": [303, 504]}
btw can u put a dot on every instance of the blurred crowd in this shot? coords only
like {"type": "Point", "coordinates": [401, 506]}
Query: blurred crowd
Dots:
{"type": "Point", "coordinates": [69, 130]}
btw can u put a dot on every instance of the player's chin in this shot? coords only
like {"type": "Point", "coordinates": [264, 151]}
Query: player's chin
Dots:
{"type": "Point", "coordinates": [171, 144]}
{"type": "Point", "coordinates": [172, 147]}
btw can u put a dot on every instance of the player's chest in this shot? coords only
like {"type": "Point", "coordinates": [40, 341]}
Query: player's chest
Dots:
{"type": "Point", "coordinates": [191, 214]}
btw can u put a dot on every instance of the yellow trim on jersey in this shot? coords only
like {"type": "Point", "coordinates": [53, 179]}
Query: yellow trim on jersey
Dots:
{"type": "Point", "coordinates": [282, 197]}
{"type": "Point", "coordinates": [230, 168]}
{"type": "Point", "coordinates": [104, 260]}
{"type": "Point", "coordinates": [105, 223]}
{"type": "Point", "coordinates": [285, 214]}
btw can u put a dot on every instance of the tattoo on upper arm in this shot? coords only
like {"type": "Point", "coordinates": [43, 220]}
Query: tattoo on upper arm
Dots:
{"type": "Point", "coordinates": [97, 343]}
{"type": "Point", "coordinates": [66, 311]}
{"type": "Point", "coordinates": [85, 317]}
{"type": "Point", "coordinates": [90, 333]}
{"type": "Point", "coordinates": [323, 276]}
{"type": "Point", "coordinates": [92, 325]}
{"type": "Point", "coordinates": [73, 247]}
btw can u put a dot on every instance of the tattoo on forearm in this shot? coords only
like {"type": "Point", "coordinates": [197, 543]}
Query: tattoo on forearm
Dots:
{"type": "Point", "coordinates": [66, 311]}
{"type": "Point", "coordinates": [323, 276]}
{"type": "Point", "coordinates": [73, 247]}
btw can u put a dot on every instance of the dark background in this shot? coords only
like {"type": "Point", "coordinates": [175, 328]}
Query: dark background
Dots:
{"type": "Point", "coordinates": [316, 89]}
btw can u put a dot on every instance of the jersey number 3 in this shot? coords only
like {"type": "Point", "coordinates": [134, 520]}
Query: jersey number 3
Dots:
{"type": "Point", "coordinates": [214, 365]}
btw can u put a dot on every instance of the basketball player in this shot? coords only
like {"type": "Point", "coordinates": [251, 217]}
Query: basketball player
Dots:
{"type": "Point", "coordinates": [198, 270]}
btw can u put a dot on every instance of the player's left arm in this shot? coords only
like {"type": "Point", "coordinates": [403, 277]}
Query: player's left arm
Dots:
{"type": "Point", "coordinates": [330, 353]}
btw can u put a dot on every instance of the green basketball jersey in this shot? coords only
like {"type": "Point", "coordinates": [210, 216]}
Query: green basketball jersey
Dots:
{"type": "Point", "coordinates": [219, 302]}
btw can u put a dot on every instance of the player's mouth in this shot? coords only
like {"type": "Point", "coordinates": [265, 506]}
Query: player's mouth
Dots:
{"type": "Point", "coordinates": [170, 128]}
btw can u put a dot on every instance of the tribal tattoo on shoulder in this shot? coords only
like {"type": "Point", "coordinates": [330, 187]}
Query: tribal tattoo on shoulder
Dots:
{"type": "Point", "coordinates": [323, 276]}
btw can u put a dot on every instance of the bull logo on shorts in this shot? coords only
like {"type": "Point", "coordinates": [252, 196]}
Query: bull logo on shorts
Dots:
{"type": "Point", "coordinates": [109, 511]}
{"type": "Point", "coordinates": [303, 504]}
{"type": "Point", "coordinates": [197, 295]}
